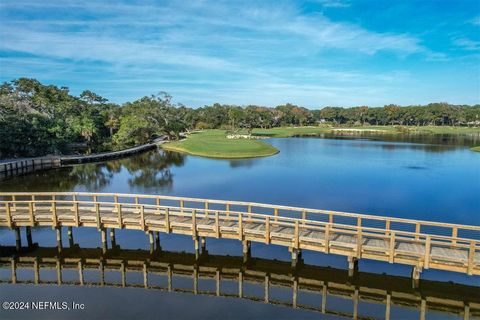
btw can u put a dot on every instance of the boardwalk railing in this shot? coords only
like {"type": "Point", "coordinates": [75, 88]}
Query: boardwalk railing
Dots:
{"type": "Point", "coordinates": [265, 276]}
{"type": "Point", "coordinates": [422, 244]}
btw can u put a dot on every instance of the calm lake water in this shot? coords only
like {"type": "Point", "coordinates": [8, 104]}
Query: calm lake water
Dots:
{"type": "Point", "coordinates": [432, 179]}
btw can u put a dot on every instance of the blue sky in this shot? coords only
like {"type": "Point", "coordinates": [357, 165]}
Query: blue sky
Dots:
{"type": "Point", "coordinates": [312, 53]}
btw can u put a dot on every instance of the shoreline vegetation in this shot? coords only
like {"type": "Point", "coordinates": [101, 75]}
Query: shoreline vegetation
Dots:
{"type": "Point", "coordinates": [38, 120]}
{"type": "Point", "coordinates": [221, 144]}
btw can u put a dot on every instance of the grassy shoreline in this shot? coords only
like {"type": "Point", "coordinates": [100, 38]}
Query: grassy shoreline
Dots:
{"type": "Point", "coordinates": [214, 144]}
{"type": "Point", "coordinates": [284, 132]}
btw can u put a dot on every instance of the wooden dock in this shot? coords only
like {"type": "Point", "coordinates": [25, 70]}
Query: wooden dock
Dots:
{"type": "Point", "coordinates": [260, 281]}
{"type": "Point", "coordinates": [23, 166]}
{"type": "Point", "coordinates": [420, 244]}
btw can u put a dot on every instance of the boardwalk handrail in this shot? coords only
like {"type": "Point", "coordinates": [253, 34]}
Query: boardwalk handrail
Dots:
{"type": "Point", "coordinates": [459, 250]}
{"type": "Point", "coordinates": [252, 205]}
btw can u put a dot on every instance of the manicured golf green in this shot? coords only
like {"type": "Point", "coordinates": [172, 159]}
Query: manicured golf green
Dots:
{"type": "Point", "coordinates": [214, 144]}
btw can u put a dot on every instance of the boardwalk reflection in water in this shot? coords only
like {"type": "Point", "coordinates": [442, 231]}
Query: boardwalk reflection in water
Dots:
{"type": "Point", "coordinates": [260, 280]}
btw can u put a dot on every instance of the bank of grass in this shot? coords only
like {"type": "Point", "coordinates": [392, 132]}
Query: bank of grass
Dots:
{"type": "Point", "coordinates": [284, 132]}
{"type": "Point", "coordinates": [476, 149]}
{"type": "Point", "coordinates": [214, 144]}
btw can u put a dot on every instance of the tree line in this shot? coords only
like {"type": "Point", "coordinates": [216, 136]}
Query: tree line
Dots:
{"type": "Point", "coordinates": [38, 119]}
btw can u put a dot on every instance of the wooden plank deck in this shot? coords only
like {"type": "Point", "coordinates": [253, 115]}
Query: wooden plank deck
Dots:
{"type": "Point", "coordinates": [451, 247]}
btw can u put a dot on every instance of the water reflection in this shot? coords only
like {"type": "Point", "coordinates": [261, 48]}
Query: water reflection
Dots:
{"type": "Point", "coordinates": [314, 288]}
{"type": "Point", "coordinates": [149, 169]}
{"type": "Point", "coordinates": [426, 142]}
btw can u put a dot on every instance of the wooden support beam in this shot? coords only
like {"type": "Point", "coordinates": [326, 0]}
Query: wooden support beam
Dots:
{"type": "Point", "coordinates": [103, 233]}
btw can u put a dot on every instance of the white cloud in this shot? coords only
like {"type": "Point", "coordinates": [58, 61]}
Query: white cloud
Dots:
{"type": "Point", "coordinates": [467, 44]}
{"type": "Point", "coordinates": [334, 3]}
{"type": "Point", "coordinates": [475, 21]}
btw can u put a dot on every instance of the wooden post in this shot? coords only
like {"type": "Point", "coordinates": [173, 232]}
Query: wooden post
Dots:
{"type": "Point", "coordinates": [275, 213]}
{"type": "Point", "coordinates": [427, 253]}
{"type": "Point", "coordinates": [30, 211]}
{"type": "Point", "coordinates": [352, 265]}
{"type": "Point", "coordinates": [9, 214]}
{"type": "Point", "coordinates": [359, 242]}
{"type": "Point", "coordinates": [196, 247]}
{"type": "Point", "coordinates": [295, 257]}
{"type": "Point", "coordinates": [327, 238]}
{"type": "Point", "coordinates": [97, 211]}
{"type": "Point", "coordinates": [417, 230]}
{"type": "Point", "coordinates": [240, 226]}
{"type": "Point", "coordinates": [416, 276]}
{"type": "Point", "coordinates": [54, 212]}
{"type": "Point", "coordinates": [194, 223]}
{"type": "Point", "coordinates": [167, 220]}
{"type": "Point", "coordinates": [267, 230]}
{"type": "Point", "coordinates": [119, 212]}
{"type": "Point", "coordinates": [217, 225]}
{"type": "Point", "coordinates": [151, 241]}
{"type": "Point", "coordinates": [454, 235]}
{"type": "Point", "coordinates": [103, 233]}
{"type": "Point", "coordinates": [471, 257]}
{"type": "Point", "coordinates": [246, 250]}
{"type": "Point", "coordinates": [296, 236]}
{"type": "Point", "coordinates": [77, 214]}
{"type": "Point", "coordinates": [330, 218]}
{"type": "Point", "coordinates": [391, 250]}
{"type": "Point", "coordinates": [142, 217]}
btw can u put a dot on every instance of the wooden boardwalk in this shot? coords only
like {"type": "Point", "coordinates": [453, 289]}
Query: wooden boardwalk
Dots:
{"type": "Point", "coordinates": [421, 244]}
{"type": "Point", "coordinates": [22, 166]}
{"type": "Point", "coordinates": [310, 288]}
